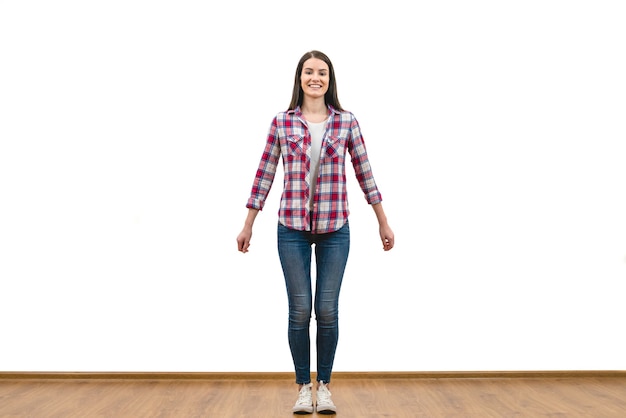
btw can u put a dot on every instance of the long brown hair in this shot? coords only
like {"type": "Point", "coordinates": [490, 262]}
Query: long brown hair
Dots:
{"type": "Point", "coordinates": [331, 95]}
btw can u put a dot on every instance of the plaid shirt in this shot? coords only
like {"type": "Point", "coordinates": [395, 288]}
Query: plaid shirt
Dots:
{"type": "Point", "coordinates": [290, 139]}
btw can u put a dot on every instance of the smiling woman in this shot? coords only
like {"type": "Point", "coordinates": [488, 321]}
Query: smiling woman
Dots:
{"type": "Point", "coordinates": [314, 83]}
{"type": "Point", "coordinates": [314, 137]}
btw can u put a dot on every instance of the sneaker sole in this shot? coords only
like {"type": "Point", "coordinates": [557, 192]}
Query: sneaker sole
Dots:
{"type": "Point", "coordinates": [304, 411]}
{"type": "Point", "coordinates": [326, 412]}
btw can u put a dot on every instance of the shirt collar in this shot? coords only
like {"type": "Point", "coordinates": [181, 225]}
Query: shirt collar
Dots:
{"type": "Point", "coordinates": [298, 112]}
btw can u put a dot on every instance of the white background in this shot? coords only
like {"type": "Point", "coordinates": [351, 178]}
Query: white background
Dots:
{"type": "Point", "coordinates": [130, 132]}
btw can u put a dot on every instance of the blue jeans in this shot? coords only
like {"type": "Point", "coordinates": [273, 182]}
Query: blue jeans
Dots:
{"type": "Point", "coordinates": [331, 255]}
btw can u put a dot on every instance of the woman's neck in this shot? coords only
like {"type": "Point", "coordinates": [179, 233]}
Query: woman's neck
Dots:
{"type": "Point", "coordinates": [314, 107]}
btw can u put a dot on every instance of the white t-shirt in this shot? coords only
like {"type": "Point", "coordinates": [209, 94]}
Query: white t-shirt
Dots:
{"type": "Point", "coordinates": [317, 135]}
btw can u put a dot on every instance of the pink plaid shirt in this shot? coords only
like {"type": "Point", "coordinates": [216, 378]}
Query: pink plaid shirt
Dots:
{"type": "Point", "coordinates": [290, 139]}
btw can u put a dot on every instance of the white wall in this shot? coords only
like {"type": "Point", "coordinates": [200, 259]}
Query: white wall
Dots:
{"type": "Point", "coordinates": [130, 133]}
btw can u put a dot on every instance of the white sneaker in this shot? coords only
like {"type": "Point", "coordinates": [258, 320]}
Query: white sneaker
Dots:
{"type": "Point", "coordinates": [324, 404]}
{"type": "Point", "coordinates": [304, 404]}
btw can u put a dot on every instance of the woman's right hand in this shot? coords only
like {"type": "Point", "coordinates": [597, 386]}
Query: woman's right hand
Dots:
{"type": "Point", "coordinates": [243, 239]}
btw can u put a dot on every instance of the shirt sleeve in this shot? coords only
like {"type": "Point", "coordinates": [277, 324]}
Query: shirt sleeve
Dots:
{"type": "Point", "coordinates": [267, 169]}
{"type": "Point", "coordinates": [360, 162]}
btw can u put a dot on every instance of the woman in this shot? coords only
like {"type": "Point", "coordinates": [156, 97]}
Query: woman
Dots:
{"type": "Point", "coordinates": [314, 137]}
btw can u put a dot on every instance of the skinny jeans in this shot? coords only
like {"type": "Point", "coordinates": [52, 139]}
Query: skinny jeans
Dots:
{"type": "Point", "coordinates": [295, 249]}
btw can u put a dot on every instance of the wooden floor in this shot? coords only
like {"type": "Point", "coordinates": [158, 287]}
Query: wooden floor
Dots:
{"type": "Point", "coordinates": [357, 396]}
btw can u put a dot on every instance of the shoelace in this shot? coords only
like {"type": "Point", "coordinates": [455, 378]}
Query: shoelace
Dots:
{"type": "Point", "coordinates": [304, 397]}
{"type": "Point", "coordinates": [323, 394]}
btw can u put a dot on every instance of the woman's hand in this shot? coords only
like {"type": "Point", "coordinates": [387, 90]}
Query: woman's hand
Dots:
{"type": "Point", "coordinates": [243, 239]}
{"type": "Point", "coordinates": [386, 236]}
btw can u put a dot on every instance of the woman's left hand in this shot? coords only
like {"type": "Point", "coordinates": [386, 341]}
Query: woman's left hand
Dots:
{"type": "Point", "coordinates": [386, 236]}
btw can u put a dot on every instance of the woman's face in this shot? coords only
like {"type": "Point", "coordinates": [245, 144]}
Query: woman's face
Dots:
{"type": "Point", "coordinates": [314, 78]}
